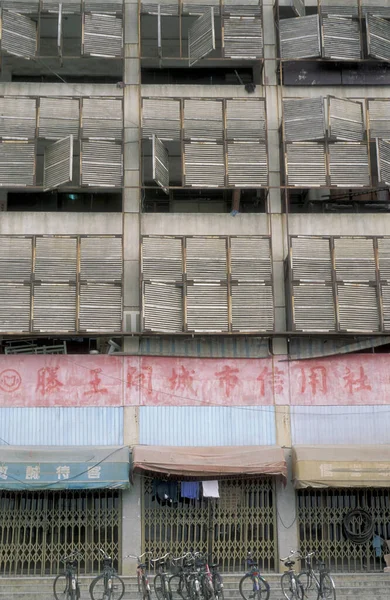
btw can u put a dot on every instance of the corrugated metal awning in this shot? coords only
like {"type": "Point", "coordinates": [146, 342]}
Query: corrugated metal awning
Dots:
{"type": "Point", "coordinates": [210, 461]}
{"type": "Point", "coordinates": [221, 347]}
{"type": "Point", "coordinates": [341, 466]}
{"type": "Point", "coordinates": [64, 468]}
{"type": "Point", "coordinates": [302, 348]}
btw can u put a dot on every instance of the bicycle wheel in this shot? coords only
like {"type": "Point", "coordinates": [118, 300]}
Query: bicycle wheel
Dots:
{"type": "Point", "coordinates": [159, 585]}
{"type": "Point", "coordinates": [307, 585]}
{"type": "Point", "coordinates": [254, 587]}
{"type": "Point", "coordinates": [218, 586]}
{"type": "Point", "coordinates": [61, 588]}
{"type": "Point", "coordinates": [96, 589]}
{"type": "Point", "coordinates": [177, 588]}
{"type": "Point", "coordinates": [291, 588]}
{"type": "Point", "coordinates": [327, 590]}
{"type": "Point", "coordinates": [118, 588]}
{"type": "Point", "coordinates": [100, 588]}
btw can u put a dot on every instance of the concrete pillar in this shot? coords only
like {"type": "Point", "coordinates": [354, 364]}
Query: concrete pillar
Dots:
{"type": "Point", "coordinates": [131, 191]}
{"type": "Point", "coordinates": [131, 425]}
{"type": "Point", "coordinates": [131, 526]}
{"type": "Point", "coordinates": [287, 523]}
{"type": "Point", "coordinates": [274, 206]}
{"type": "Point", "coordinates": [131, 499]}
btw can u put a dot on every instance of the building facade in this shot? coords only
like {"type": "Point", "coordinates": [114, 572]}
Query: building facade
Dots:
{"type": "Point", "coordinates": [195, 238]}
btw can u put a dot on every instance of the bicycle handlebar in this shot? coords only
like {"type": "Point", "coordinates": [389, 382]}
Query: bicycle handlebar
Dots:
{"type": "Point", "coordinates": [160, 558]}
{"type": "Point", "coordinates": [181, 557]}
{"type": "Point", "coordinates": [104, 554]}
{"type": "Point", "coordinates": [293, 553]}
{"type": "Point", "coordinates": [72, 555]}
{"type": "Point", "coordinates": [298, 554]}
{"type": "Point", "coordinates": [137, 557]}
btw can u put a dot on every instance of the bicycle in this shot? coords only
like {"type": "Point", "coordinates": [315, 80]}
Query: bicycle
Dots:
{"type": "Point", "coordinates": [161, 580]}
{"type": "Point", "coordinates": [142, 577]}
{"type": "Point", "coordinates": [65, 585]}
{"type": "Point", "coordinates": [108, 585]}
{"type": "Point", "coordinates": [217, 582]}
{"type": "Point", "coordinates": [321, 584]}
{"type": "Point", "coordinates": [193, 581]}
{"type": "Point", "coordinates": [179, 581]}
{"type": "Point", "coordinates": [204, 576]}
{"type": "Point", "coordinates": [291, 587]}
{"type": "Point", "coordinates": [252, 585]}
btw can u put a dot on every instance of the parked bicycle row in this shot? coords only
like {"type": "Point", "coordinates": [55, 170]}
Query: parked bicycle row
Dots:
{"type": "Point", "coordinates": [191, 577]}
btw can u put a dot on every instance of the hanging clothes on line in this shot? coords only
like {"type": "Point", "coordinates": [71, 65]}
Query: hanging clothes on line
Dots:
{"type": "Point", "coordinates": [165, 491]}
{"type": "Point", "coordinates": [210, 489]}
{"type": "Point", "coordinates": [190, 489]}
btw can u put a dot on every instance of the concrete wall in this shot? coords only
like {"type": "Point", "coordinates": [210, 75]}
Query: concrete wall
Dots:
{"type": "Point", "coordinates": [339, 224]}
{"type": "Point", "coordinates": [52, 223]}
{"type": "Point", "coordinates": [58, 90]}
{"type": "Point", "coordinates": [204, 224]}
{"type": "Point", "coordinates": [199, 91]}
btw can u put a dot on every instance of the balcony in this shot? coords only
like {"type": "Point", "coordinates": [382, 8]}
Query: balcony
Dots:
{"type": "Point", "coordinates": [334, 43]}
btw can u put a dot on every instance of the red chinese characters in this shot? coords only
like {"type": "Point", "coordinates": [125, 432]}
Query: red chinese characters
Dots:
{"type": "Point", "coordinates": [228, 379]}
{"type": "Point", "coordinates": [47, 380]}
{"type": "Point", "coordinates": [95, 386]}
{"type": "Point", "coordinates": [313, 379]}
{"type": "Point", "coordinates": [182, 380]}
{"type": "Point", "coordinates": [356, 382]}
{"type": "Point", "coordinates": [140, 378]}
{"type": "Point", "coordinates": [272, 379]}
{"type": "Point", "coordinates": [172, 381]}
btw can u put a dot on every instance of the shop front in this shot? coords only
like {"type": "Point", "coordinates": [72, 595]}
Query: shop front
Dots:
{"type": "Point", "coordinates": [217, 500]}
{"type": "Point", "coordinates": [54, 500]}
{"type": "Point", "coordinates": [343, 504]}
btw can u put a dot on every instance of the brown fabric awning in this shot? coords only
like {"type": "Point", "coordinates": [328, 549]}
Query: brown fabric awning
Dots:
{"type": "Point", "coordinates": [341, 466]}
{"type": "Point", "coordinates": [212, 461]}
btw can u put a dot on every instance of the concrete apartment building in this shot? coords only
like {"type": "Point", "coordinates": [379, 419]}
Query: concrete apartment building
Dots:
{"type": "Point", "coordinates": [194, 265]}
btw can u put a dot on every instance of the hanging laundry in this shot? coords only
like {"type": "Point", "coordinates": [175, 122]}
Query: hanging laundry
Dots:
{"type": "Point", "coordinates": [190, 489]}
{"type": "Point", "coordinates": [210, 489]}
{"type": "Point", "coordinates": [165, 491]}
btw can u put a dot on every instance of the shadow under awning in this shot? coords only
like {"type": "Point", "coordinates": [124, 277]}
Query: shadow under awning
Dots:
{"type": "Point", "coordinates": [64, 468]}
{"type": "Point", "coordinates": [341, 466]}
{"type": "Point", "coordinates": [210, 461]}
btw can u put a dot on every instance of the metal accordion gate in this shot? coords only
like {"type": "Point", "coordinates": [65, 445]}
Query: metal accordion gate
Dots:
{"type": "Point", "coordinates": [38, 528]}
{"type": "Point", "coordinates": [243, 519]}
{"type": "Point", "coordinates": [320, 517]}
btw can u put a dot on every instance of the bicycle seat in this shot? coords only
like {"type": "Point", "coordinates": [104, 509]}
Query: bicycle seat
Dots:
{"type": "Point", "coordinates": [289, 563]}
{"type": "Point", "coordinates": [142, 566]}
{"type": "Point", "coordinates": [214, 565]}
